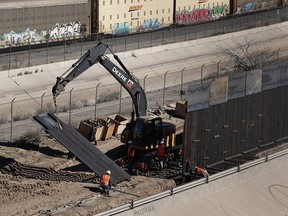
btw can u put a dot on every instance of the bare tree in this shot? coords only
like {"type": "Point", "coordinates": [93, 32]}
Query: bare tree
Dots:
{"type": "Point", "coordinates": [248, 56]}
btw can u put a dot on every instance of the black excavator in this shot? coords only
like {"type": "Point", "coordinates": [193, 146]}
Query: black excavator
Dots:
{"type": "Point", "coordinates": [145, 132]}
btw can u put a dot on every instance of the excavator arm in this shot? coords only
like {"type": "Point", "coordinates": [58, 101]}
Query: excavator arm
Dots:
{"type": "Point", "coordinates": [124, 77]}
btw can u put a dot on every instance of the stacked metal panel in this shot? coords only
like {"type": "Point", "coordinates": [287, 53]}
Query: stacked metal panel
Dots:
{"type": "Point", "coordinates": [70, 138]}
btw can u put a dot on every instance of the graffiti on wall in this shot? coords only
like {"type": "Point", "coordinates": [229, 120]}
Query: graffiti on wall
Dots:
{"type": "Point", "coordinates": [152, 24]}
{"type": "Point", "coordinates": [27, 36]}
{"type": "Point", "coordinates": [34, 36]}
{"type": "Point", "coordinates": [246, 8]}
{"type": "Point", "coordinates": [200, 15]}
{"type": "Point", "coordinates": [65, 30]}
{"type": "Point", "coordinates": [147, 25]}
{"type": "Point", "coordinates": [121, 28]}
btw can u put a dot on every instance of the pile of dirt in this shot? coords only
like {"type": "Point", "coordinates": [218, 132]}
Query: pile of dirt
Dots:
{"type": "Point", "coordinates": [44, 180]}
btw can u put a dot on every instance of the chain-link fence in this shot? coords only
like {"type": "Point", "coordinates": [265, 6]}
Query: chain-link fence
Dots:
{"type": "Point", "coordinates": [98, 102]}
{"type": "Point", "coordinates": [51, 51]}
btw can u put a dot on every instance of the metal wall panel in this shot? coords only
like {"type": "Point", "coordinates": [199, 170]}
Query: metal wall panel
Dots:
{"type": "Point", "coordinates": [253, 81]}
{"type": "Point", "coordinates": [71, 139]}
{"type": "Point", "coordinates": [238, 126]}
{"type": "Point", "coordinates": [270, 77]}
{"type": "Point", "coordinates": [236, 85]}
{"type": "Point", "coordinates": [198, 97]}
{"type": "Point", "coordinates": [283, 76]}
{"type": "Point", "coordinates": [219, 91]}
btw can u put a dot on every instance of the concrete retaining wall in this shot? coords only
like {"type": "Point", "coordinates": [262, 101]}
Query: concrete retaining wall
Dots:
{"type": "Point", "coordinates": [183, 203]}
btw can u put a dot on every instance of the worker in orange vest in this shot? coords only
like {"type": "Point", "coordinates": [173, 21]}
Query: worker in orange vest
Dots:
{"type": "Point", "coordinates": [105, 182]}
{"type": "Point", "coordinates": [201, 171]}
{"type": "Point", "coordinates": [161, 154]}
{"type": "Point", "coordinates": [130, 155]}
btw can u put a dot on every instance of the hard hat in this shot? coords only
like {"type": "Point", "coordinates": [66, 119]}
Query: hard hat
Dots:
{"type": "Point", "coordinates": [130, 142]}
{"type": "Point", "coordinates": [108, 172]}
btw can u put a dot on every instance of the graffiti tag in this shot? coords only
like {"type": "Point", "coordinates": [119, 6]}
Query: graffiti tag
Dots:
{"type": "Point", "coordinates": [65, 30]}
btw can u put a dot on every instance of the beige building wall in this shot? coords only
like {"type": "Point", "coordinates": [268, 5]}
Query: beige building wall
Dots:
{"type": "Point", "coordinates": [123, 16]}
{"type": "Point", "coordinates": [194, 11]}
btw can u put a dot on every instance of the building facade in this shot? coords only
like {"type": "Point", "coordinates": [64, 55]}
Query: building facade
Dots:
{"type": "Point", "coordinates": [128, 16]}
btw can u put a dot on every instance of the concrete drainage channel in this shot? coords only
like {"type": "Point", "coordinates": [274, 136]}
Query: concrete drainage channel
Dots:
{"type": "Point", "coordinates": [126, 209]}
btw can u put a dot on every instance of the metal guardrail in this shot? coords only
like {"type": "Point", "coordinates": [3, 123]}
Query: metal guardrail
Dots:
{"type": "Point", "coordinates": [151, 199]}
{"type": "Point", "coordinates": [190, 185]}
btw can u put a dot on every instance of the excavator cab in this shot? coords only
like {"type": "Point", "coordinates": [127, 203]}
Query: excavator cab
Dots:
{"type": "Point", "coordinates": [147, 133]}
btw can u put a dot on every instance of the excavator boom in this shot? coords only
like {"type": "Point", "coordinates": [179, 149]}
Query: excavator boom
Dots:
{"type": "Point", "coordinates": [146, 133]}
{"type": "Point", "coordinates": [124, 77]}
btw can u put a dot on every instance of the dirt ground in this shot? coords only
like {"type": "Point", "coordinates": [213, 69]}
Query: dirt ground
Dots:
{"type": "Point", "coordinates": [43, 180]}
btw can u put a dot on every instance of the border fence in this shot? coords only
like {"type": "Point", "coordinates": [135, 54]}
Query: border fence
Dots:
{"type": "Point", "coordinates": [237, 115]}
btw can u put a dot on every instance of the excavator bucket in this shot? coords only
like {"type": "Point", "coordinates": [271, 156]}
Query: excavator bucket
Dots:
{"type": "Point", "coordinates": [71, 139]}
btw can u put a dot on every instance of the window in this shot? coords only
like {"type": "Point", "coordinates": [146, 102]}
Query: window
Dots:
{"type": "Point", "coordinates": [103, 18]}
{"type": "Point", "coordinates": [162, 11]}
{"type": "Point", "coordinates": [131, 23]}
{"type": "Point", "coordinates": [110, 26]}
{"type": "Point", "coordinates": [124, 1]}
{"type": "Point", "coordinates": [184, 8]}
{"type": "Point", "coordinates": [103, 27]}
{"type": "Point", "coordinates": [110, 17]}
{"type": "Point", "coordinates": [144, 13]}
{"type": "Point", "coordinates": [117, 16]}
{"type": "Point", "coordinates": [131, 1]}
{"type": "Point", "coordinates": [162, 19]}
{"type": "Point", "coordinates": [156, 11]}
{"type": "Point", "coordinates": [124, 15]}
{"type": "Point", "coordinates": [103, 3]}
{"type": "Point", "coordinates": [189, 7]}
{"type": "Point", "coordinates": [168, 10]}
{"type": "Point", "coordinates": [138, 14]}
{"type": "Point", "coordinates": [117, 1]}
{"type": "Point", "coordinates": [150, 12]}
{"type": "Point", "coordinates": [110, 2]}
{"type": "Point", "coordinates": [168, 19]}
{"type": "Point", "coordinates": [131, 14]}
